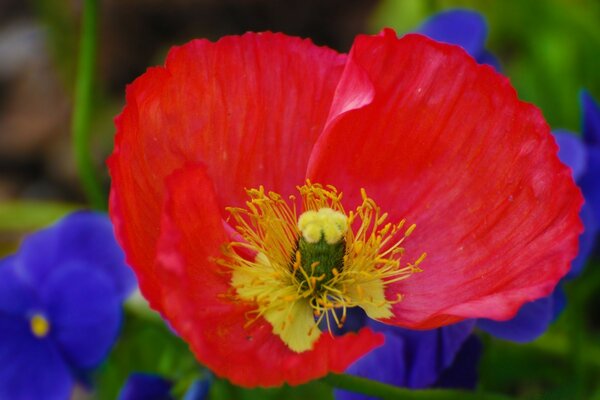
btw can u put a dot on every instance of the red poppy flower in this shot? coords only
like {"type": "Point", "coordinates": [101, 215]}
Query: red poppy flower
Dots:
{"type": "Point", "coordinates": [228, 173]}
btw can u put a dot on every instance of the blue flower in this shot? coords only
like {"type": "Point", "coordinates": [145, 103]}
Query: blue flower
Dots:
{"type": "Point", "coordinates": [445, 357]}
{"type": "Point", "coordinates": [142, 386]}
{"type": "Point", "coordinates": [60, 306]}
{"type": "Point", "coordinates": [418, 359]}
{"type": "Point", "coordinates": [465, 28]}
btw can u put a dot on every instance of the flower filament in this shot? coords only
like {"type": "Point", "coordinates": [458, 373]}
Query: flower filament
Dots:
{"type": "Point", "coordinates": [299, 271]}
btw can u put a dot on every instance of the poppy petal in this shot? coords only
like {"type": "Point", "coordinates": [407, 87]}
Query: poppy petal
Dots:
{"type": "Point", "coordinates": [446, 144]}
{"type": "Point", "coordinates": [216, 327]}
{"type": "Point", "coordinates": [249, 107]}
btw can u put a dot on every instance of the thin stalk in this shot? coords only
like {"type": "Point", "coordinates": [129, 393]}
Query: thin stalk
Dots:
{"type": "Point", "coordinates": [82, 108]}
{"type": "Point", "coordinates": [388, 392]}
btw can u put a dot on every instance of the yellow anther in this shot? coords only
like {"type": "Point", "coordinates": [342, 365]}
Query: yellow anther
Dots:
{"type": "Point", "coordinates": [39, 325]}
{"type": "Point", "coordinates": [326, 222]}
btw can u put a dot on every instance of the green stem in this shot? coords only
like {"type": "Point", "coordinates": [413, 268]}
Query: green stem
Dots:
{"type": "Point", "coordinates": [80, 125]}
{"type": "Point", "coordinates": [385, 391]}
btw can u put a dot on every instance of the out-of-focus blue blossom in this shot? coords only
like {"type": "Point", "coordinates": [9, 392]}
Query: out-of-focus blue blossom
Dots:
{"type": "Point", "coordinates": [142, 386]}
{"type": "Point", "coordinates": [417, 359]}
{"type": "Point", "coordinates": [582, 154]}
{"type": "Point", "coordinates": [465, 28]}
{"type": "Point", "coordinates": [60, 306]}
{"type": "Point", "coordinates": [199, 389]}
{"type": "Point", "coordinates": [589, 180]}
{"type": "Point", "coordinates": [445, 356]}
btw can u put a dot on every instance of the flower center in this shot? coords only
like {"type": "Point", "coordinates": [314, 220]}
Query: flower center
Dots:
{"type": "Point", "coordinates": [299, 272]}
{"type": "Point", "coordinates": [39, 325]}
{"type": "Point", "coordinates": [321, 244]}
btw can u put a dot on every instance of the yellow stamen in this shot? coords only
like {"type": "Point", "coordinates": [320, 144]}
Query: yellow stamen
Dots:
{"type": "Point", "coordinates": [293, 293]}
{"type": "Point", "coordinates": [39, 325]}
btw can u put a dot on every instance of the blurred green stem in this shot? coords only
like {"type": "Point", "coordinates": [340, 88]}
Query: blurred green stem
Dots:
{"type": "Point", "coordinates": [385, 391]}
{"type": "Point", "coordinates": [82, 108]}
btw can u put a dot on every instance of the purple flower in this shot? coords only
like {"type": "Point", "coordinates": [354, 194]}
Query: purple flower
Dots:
{"type": "Point", "coordinates": [60, 306]}
{"type": "Point", "coordinates": [142, 386]}
{"type": "Point", "coordinates": [418, 359]}
{"type": "Point", "coordinates": [465, 28]}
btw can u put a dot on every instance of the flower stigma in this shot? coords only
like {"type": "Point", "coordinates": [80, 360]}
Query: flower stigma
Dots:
{"type": "Point", "coordinates": [298, 272]}
{"type": "Point", "coordinates": [39, 325]}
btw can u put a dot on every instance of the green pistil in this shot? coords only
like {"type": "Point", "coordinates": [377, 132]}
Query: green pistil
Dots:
{"type": "Point", "coordinates": [324, 256]}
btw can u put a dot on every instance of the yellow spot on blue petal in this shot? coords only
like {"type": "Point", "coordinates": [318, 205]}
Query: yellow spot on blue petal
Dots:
{"type": "Point", "coordinates": [40, 326]}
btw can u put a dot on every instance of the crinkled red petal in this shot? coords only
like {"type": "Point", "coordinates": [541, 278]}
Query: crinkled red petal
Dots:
{"type": "Point", "coordinates": [199, 305]}
{"type": "Point", "coordinates": [446, 144]}
{"type": "Point", "coordinates": [249, 107]}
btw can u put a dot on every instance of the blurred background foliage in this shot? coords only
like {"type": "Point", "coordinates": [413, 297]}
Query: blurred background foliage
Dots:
{"type": "Point", "coordinates": [549, 49]}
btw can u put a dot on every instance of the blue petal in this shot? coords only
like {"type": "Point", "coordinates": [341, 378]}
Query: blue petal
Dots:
{"type": "Point", "coordinates": [84, 236]}
{"type": "Point", "coordinates": [465, 28]}
{"type": "Point", "coordinates": [410, 358]}
{"type": "Point", "coordinates": [488, 58]}
{"type": "Point", "coordinates": [531, 321]}
{"type": "Point", "coordinates": [430, 352]}
{"type": "Point", "coordinates": [591, 118]}
{"type": "Point", "coordinates": [31, 368]}
{"type": "Point", "coordinates": [141, 386]}
{"type": "Point", "coordinates": [199, 390]}
{"type": "Point", "coordinates": [385, 364]}
{"type": "Point", "coordinates": [356, 318]}
{"type": "Point", "coordinates": [560, 301]}
{"type": "Point", "coordinates": [586, 241]}
{"type": "Point", "coordinates": [84, 313]}
{"type": "Point", "coordinates": [16, 296]}
{"type": "Point", "coordinates": [571, 151]}
{"type": "Point", "coordinates": [463, 373]}
{"type": "Point", "coordinates": [590, 182]}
